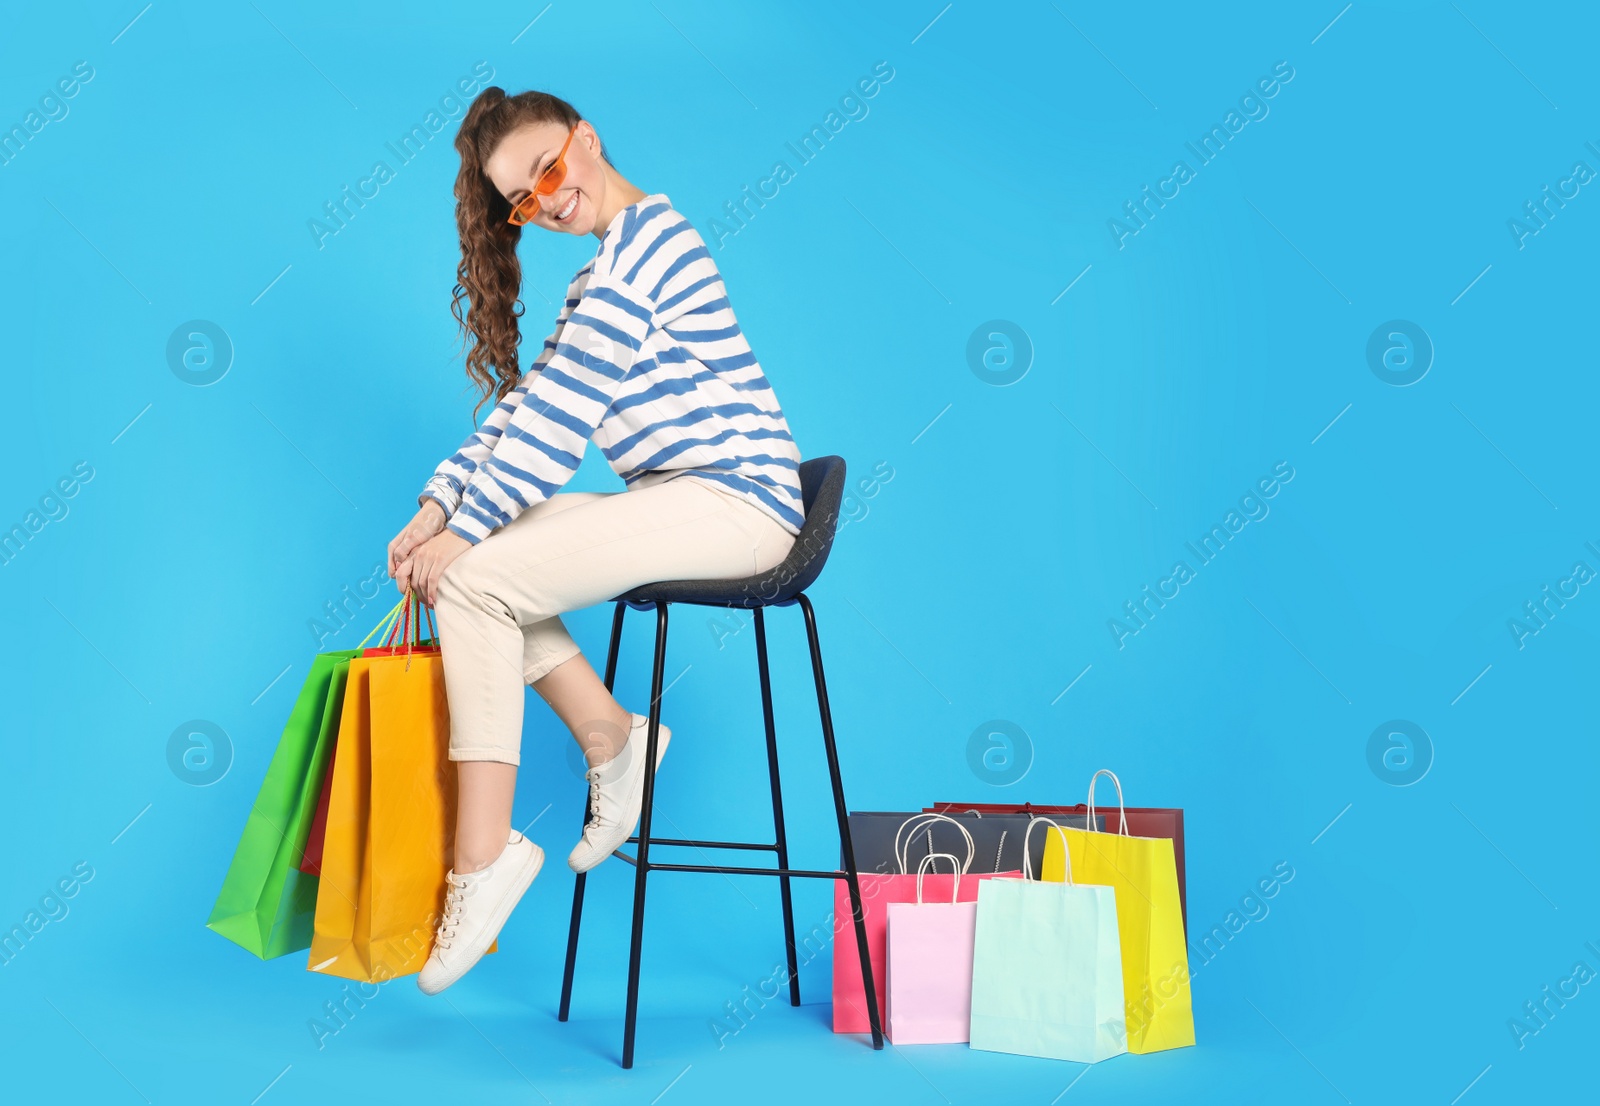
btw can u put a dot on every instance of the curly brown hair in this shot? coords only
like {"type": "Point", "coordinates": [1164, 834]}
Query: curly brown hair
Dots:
{"type": "Point", "coordinates": [490, 274]}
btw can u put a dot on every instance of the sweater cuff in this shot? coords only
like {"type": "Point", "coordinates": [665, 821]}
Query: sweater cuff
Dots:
{"type": "Point", "coordinates": [445, 490]}
{"type": "Point", "coordinates": [437, 498]}
{"type": "Point", "coordinates": [467, 527]}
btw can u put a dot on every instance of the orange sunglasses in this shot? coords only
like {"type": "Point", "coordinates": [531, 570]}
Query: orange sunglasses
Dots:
{"type": "Point", "coordinates": [548, 182]}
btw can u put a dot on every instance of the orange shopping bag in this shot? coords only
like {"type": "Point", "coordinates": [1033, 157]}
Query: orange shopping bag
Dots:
{"type": "Point", "coordinates": [391, 818]}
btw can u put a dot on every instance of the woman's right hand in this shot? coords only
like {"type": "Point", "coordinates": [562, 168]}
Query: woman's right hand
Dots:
{"type": "Point", "coordinates": [427, 522]}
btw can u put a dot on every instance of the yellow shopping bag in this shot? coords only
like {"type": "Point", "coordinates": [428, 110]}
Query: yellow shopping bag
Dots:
{"type": "Point", "coordinates": [391, 819]}
{"type": "Point", "coordinates": [1155, 959]}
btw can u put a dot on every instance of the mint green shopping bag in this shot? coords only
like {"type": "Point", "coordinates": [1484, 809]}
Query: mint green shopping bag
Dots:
{"type": "Point", "coordinates": [267, 904]}
{"type": "Point", "coordinates": [1047, 968]}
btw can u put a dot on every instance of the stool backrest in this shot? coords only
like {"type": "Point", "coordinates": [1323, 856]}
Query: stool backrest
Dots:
{"type": "Point", "coordinates": [822, 490]}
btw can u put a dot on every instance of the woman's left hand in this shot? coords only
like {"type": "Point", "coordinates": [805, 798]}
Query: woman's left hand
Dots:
{"type": "Point", "coordinates": [420, 571]}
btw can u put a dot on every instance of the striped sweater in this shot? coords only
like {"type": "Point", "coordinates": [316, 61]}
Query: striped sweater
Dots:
{"type": "Point", "coordinates": [648, 360]}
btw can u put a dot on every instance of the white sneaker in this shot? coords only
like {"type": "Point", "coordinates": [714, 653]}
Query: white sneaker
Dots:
{"type": "Point", "coordinates": [616, 795]}
{"type": "Point", "coordinates": [476, 906]}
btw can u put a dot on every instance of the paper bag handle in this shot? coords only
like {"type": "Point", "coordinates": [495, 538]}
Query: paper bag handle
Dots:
{"type": "Point", "coordinates": [383, 623]}
{"type": "Point", "coordinates": [412, 599]}
{"type": "Point", "coordinates": [917, 821]}
{"type": "Point", "coordinates": [1066, 855]}
{"type": "Point", "coordinates": [1122, 811]}
{"type": "Point", "coordinates": [955, 883]}
{"type": "Point", "coordinates": [1000, 849]}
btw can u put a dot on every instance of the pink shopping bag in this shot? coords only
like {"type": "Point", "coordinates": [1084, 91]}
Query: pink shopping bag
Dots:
{"type": "Point", "coordinates": [878, 890]}
{"type": "Point", "coordinates": [929, 961]}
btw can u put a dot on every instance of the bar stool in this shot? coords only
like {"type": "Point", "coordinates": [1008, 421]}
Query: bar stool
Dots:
{"type": "Point", "coordinates": [822, 488]}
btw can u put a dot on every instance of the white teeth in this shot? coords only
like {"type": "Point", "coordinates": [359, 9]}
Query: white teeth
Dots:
{"type": "Point", "coordinates": [566, 211]}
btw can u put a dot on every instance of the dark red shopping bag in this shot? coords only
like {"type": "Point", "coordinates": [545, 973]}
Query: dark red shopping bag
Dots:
{"type": "Point", "coordinates": [1143, 821]}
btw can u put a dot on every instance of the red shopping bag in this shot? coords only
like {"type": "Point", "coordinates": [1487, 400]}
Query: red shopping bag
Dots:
{"type": "Point", "coordinates": [878, 890]}
{"type": "Point", "coordinates": [1143, 821]}
{"type": "Point", "coordinates": [311, 862]}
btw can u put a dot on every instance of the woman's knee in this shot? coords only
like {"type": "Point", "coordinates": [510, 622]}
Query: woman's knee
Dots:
{"type": "Point", "coordinates": [482, 584]}
{"type": "Point", "coordinates": [461, 583]}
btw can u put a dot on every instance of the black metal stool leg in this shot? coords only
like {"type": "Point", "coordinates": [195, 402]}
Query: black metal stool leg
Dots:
{"type": "Point", "coordinates": [777, 808]}
{"type": "Point", "coordinates": [851, 875]}
{"type": "Point", "coordinates": [642, 856]}
{"type": "Point", "coordinates": [577, 886]}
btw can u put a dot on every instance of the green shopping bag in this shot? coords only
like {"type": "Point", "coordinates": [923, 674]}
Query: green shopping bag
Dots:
{"type": "Point", "coordinates": [267, 904]}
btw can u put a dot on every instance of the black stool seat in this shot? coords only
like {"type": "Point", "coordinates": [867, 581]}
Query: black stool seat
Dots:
{"type": "Point", "coordinates": [822, 487]}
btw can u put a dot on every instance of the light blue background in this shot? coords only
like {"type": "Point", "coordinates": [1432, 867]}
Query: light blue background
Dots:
{"type": "Point", "coordinates": [976, 584]}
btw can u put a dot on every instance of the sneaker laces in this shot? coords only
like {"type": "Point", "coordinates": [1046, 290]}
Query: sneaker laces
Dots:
{"type": "Point", "coordinates": [596, 820]}
{"type": "Point", "coordinates": [595, 784]}
{"type": "Point", "coordinates": [453, 904]}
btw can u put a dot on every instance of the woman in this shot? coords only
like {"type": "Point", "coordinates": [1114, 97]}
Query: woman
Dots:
{"type": "Point", "coordinates": [648, 361]}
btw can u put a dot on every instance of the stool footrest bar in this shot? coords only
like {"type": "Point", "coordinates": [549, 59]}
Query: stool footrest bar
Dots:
{"type": "Point", "coordinates": [654, 841]}
{"type": "Point", "coordinates": [730, 870]}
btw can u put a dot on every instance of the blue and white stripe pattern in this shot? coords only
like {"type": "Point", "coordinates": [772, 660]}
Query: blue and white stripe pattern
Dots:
{"type": "Point", "coordinates": [646, 359]}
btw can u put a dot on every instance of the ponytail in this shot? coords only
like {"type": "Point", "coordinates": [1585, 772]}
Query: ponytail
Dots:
{"type": "Point", "coordinates": [489, 275]}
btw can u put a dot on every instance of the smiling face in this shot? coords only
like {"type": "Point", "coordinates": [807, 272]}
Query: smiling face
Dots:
{"type": "Point", "coordinates": [524, 155]}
